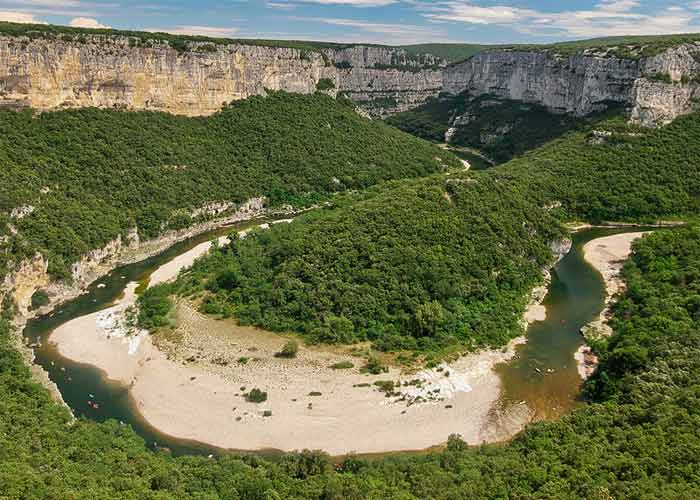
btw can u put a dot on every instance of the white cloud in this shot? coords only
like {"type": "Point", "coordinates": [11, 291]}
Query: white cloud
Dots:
{"type": "Point", "coordinates": [354, 3]}
{"type": "Point", "coordinates": [281, 5]}
{"type": "Point", "coordinates": [212, 31]}
{"type": "Point", "coordinates": [86, 22]}
{"type": "Point", "coordinates": [19, 17]}
{"type": "Point", "coordinates": [397, 34]}
{"type": "Point", "coordinates": [606, 18]}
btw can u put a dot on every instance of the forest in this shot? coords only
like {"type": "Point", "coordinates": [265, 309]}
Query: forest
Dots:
{"type": "Point", "coordinates": [501, 129]}
{"type": "Point", "coordinates": [635, 439]}
{"type": "Point", "coordinates": [83, 177]}
{"type": "Point", "coordinates": [446, 260]}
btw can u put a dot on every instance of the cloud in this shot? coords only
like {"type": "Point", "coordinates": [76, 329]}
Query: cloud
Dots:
{"type": "Point", "coordinates": [281, 6]}
{"type": "Point", "coordinates": [19, 17]}
{"type": "Point", "coordinates": [606, 18]}
{"type": "Point", "coordinates": [397, 34]}
{"type": "Point", "coordinates": [211, 31]}
{"type": "Point", "coordinates": [86, 22]}
{"type": "Point", "coordinates": [354, 3]}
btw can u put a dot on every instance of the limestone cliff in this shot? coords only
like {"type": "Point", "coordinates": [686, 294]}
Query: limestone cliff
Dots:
{"type": "Point", "coordinates": [52, 72]}
{"type": "Point", "coordinates": [118, 71]}
{"type": "Point", "coordinates": [656, 89]}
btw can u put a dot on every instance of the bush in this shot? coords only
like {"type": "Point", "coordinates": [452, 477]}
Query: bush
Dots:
{"type": "Point", "coordinates": [342, 365]}
{"type": "Point", "coordinates": [154, 306]}
{"type": "Point", "coordinates": [289, 350]}
{"type": "Point", "coordinates": [39, 299]}
{"type": "Point", "coordinates": [325, 84]}
{"type": "Point", "coordinates": [256, 396]}
{"type": "Point", "coordinates": [375, 366]}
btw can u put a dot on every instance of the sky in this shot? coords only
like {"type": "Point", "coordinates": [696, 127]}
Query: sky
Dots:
{"type": "Point", "coordinates": [392, 22]}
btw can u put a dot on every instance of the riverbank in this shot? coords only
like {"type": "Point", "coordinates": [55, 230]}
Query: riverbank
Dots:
{"type": "Point", "coordinates": [190, 383]}
{"type": "Point", "coordinates": [32, 275]}
{"type": "Point", "coordinates": [607, 255]}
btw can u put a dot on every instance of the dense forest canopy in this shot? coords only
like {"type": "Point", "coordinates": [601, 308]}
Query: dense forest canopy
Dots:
{"type": "Point", "coordinates": [501, 129]}
{"type": "Point", "coordinates": [447, 260]}
{"type": "Point", "coordinates": [90, 175]}
{"type": "Point", "coordinates": [636, 439]}
{"type": "Point", "coordinates": [410, 265]}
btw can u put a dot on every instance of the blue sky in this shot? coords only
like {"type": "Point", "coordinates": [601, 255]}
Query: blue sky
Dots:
{"type": "Point", "coordinates": [372, 21]}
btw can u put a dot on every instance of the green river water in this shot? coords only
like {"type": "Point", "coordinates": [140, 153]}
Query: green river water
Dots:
{"type": "Point", "coordinates": [576, 296]}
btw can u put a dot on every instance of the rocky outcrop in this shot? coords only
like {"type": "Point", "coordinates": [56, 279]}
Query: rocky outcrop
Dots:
{"type": "Point", "coordinates": [656, 89]}
{"type": "Point", "coordinates": [54, 71]}
{"type": "Point", "coordinates": [579, 84]}
{"type": "Point", "coordinates": [123, 72]}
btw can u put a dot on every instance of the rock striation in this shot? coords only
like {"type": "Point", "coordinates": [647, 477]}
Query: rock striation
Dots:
{"type": "Point", "coordinates": [53, 71]}
{"type": "Point", "coordinates": [656, 89]}
{"type": "Point", "coordinates": [118, 71]}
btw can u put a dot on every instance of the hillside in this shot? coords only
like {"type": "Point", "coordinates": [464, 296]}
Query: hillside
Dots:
{"type": "Point", "coordinates": [499, 128]}
{"type": "Point", "coordinates": [448, 260]}
{"type": "Point", "coordinates": [72, 181]}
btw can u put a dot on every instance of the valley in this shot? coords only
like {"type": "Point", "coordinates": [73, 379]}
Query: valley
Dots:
{"type": "Point", "coordinates": [266, 269]}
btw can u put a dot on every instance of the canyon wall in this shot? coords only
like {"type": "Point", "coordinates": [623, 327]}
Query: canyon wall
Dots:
{"type": "Point", "coordinates": [655, 89]}
{"type": "Point", "coordinates": [53, 72]}
{"type": "Point", "coordinates": [119, 71]}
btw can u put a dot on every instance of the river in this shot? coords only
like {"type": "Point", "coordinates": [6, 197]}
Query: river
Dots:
{"type": "Point", "coordinates": [543, 375]}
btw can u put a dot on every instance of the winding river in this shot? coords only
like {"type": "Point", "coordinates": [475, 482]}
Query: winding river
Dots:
{"type": "Point", "coordinates": [543, 375]}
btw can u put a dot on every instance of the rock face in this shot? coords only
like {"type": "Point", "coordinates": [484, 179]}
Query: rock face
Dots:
{"type": "Point", "coordinates": [52, 72]}
{"type": "Point", "coordinates": [118, 71]}
{"type": "Point", "coordinates": [656, 89]}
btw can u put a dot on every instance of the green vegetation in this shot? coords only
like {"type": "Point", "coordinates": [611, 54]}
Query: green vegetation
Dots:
{"type": "Point", "coordinates": [94, 175]}
{"type": "Point", "coordinates": [290, 350]}
{"type": "Point", "coordinates": [501, 129]}
{"type": "Point", "coordinates": [637, 437]}
{"type": "Point", "coordinates": [374, 366]}
{"type": "Point", "coordinates": [39, 299]}
{"type": "Point", "coordinates": [325, 84]}
{"type": "Point", "coordinates": [451, 52]}
{"type": "Point", "coordinates": [256, 396]}
{"type": "Point", "coordinates": [342, 365]}
{"type": "Point", "coordinates": [413, 265]}
{"type": "Point", "coordinates": [154, 306]}
{"type": "Point", "coordinates": [627, 47]}
{"type": "Point", "coordinates": [447, 260]}
{"type": "Point", "coordinates": [146, 38]}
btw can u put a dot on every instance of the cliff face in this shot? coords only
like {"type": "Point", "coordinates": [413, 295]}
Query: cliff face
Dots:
{"type": "Point", "coordinates": [576, 84]}
{"type": "Point", "coordinates": [656, 89]}
{"type": "Point", "coordinates": [113, 71]}
{"type": "Point", "coordinates": [117, 71]}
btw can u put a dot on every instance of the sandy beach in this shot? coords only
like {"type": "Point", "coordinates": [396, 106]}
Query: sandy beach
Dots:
{"type": "Point", "coordinates": [607, 255]}
{"type": "Point", "coordinates": [190, 383]}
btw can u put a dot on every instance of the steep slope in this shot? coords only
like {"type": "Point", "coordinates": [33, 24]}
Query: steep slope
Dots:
{"type": "Point", "coordinates": [498, 128]}
{"type": "Point", "coordinates": [49, 67]}
{"type": "Point", "coordinates": [74, 181]}
{"type": "Point", "coordinates": [656, 88]}
{"type": "Point", "coordinates": [56, 67]}
{"type": "Point", "coordinates": [449, 260]}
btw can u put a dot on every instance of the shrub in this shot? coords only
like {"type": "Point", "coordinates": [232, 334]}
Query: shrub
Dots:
{"type": "Point", "coordinates": [289, 350]}
{"type": "Point", "coordinates": [374, 366]}
{"type": "Point", "coordinates": [342, 365]}
{"type": "Point", "coordinates": [325, 84]}
{"type": "Point", "coordinates": [256, 396]}
{"type": "Point", "coordinates": [39, 298]}
{"type": "Point", "coordinates": [154, 307]}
